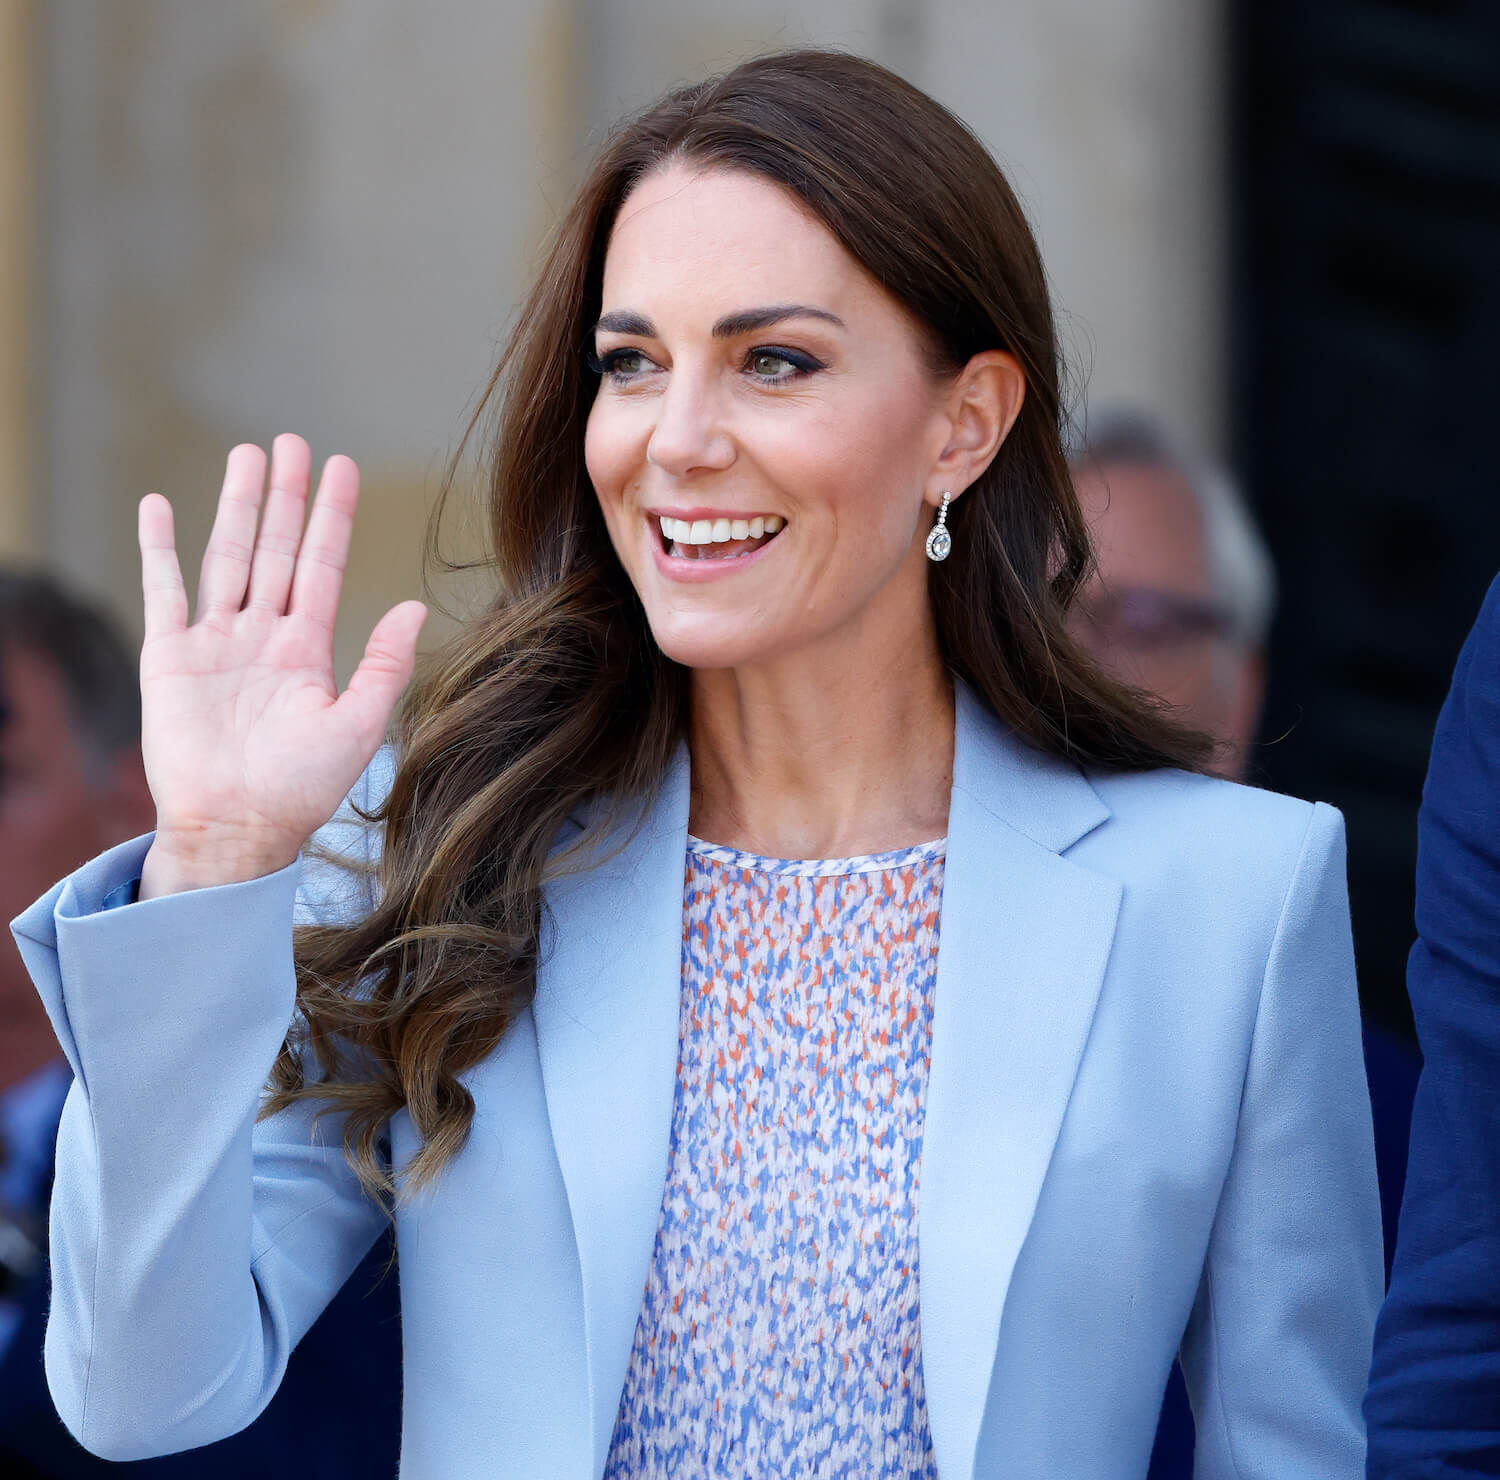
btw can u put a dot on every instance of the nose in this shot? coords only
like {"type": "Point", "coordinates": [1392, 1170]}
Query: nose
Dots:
{"type": "Point", "coordinates": [689, 435]}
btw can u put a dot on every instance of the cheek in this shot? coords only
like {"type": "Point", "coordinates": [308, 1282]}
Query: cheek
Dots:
{"type": "Point", "coordinates": [612, 468]}
{"type": "Point", "coordinates": [613, 449]}
{"type": "Point", "coordinates": [865, 466]}
{"type": "Point", "coordinates": [598, 452]}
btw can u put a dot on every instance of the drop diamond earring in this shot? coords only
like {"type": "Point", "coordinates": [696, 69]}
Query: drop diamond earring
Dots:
{"type": "Point", "coordinates": [939, 540]}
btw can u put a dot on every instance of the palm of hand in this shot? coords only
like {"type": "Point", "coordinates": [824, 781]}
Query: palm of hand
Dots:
{"type": "Point", "coordinates": [249, 747]}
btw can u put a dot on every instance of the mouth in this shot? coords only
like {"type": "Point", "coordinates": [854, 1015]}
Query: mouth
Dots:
{"type": "Point", "coordinates": [716, 539]}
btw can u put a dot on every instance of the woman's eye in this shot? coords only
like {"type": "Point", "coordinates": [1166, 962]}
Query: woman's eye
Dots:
{"type": "Point", "coordinates": [619, 364]}
{"type": "Point", "coordinates": [779, 364]}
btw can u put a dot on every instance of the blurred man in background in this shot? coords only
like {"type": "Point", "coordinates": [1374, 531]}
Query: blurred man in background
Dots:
{"type": "Point", "coordinates": [1182, 600]}
{"type": "Point", "coordinates": [71, 785]}
{"type": "Point", "coordinates": [1180, 605]}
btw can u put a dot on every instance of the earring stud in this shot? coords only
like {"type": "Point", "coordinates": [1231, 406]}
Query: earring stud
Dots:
{"type": "Point", "coordinates": [939, 540]}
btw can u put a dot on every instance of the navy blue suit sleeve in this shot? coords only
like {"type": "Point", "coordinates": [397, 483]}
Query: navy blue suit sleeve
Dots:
{"type": "Point", "coordinates": [1433, 1407]}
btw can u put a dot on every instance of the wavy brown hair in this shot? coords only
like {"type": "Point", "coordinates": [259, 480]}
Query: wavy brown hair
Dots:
{"type": "Point", "coordinates": [557, 699]}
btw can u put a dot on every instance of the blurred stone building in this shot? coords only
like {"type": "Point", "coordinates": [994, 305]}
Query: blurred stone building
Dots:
{"type": "Point", "coordinates": [222, 221]}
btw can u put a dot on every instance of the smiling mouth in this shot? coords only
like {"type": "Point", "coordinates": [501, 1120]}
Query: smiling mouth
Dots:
{"type": "Point", "coordinates": [717, 539]}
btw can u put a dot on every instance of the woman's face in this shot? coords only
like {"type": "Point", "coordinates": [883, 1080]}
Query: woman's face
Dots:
{"type": "Point", "coordinates": [766, 429]}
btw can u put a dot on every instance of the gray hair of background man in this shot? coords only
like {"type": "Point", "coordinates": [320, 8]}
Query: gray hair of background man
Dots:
{"type": "Point", "coordinates": [97, 670]}
{"type": "Point", "coordinates": [1239, 562]}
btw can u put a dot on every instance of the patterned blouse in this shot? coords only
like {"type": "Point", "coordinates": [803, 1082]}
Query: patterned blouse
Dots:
{"type": "Point", "coordinates": [779, 1333]}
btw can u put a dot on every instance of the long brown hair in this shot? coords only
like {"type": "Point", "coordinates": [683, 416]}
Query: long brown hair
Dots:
{"type": "Point", "coordinates": [557, 697]}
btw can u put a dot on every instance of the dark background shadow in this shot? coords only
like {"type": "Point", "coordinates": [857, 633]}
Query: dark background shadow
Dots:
{"type": "Point", "coordinates": [1366, 325]}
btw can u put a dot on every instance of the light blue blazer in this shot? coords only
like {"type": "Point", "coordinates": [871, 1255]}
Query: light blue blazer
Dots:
{"type": "Point", "coordinates": [1147, 1126]}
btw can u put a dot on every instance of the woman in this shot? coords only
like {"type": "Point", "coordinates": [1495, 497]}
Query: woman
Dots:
{"type": "Point", "coordinates": [633, 1013]}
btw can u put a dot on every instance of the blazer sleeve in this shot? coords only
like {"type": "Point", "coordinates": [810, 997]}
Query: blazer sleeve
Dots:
{"type": "Point", "coordinates": [191, 1247]}
{"type": "Point", "coordinates": [1434, 1400]}
{"type": "Point", "coordinates": [1277, 1348]}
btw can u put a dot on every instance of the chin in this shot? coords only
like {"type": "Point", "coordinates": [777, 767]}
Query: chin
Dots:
{"type": "Point", "coordinates": [716, 643]}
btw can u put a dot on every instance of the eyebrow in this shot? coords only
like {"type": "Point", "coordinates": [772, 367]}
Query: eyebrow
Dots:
{"type": "Point", "coordinates": [746, 321]}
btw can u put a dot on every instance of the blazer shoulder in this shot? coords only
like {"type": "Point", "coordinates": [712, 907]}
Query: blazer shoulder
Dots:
{"type": "Point", "coordinates": [1210, 834]}
{"type": "Point", "coordinates": [1179, 796]}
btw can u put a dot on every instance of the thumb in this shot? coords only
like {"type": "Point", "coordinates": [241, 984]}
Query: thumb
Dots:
{"type": "Point", "coordinates": [385, 669]}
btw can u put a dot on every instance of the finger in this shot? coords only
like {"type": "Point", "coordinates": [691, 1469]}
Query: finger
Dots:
{"type": "Point", "coordinates": [226, 561]}
{"type": "Point", "coordinates": [165, 598]}
{"type": "Point", "coordinates": [385, 669]}
{"type": "Point", "coordinates": [325, 547]}
{"type": "Point", "coordinates": [281, 527]}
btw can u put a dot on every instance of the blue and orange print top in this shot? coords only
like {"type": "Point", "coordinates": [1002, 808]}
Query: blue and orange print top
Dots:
{"type": "Point", "coordinates": [779, 1333]}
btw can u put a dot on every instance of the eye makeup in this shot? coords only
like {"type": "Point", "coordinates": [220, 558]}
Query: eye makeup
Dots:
{"type": "Point", "coordinates": [613, 364]}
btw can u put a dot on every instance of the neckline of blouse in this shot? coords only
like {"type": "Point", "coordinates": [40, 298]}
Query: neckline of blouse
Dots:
{"type": "Point", "coordinates": [811, 868]}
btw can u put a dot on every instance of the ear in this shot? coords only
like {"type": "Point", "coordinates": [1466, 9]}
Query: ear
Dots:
{"type": "Point", "coordinates": [126, 800]}
{"type": "Point", "coordinates": [982, 403]}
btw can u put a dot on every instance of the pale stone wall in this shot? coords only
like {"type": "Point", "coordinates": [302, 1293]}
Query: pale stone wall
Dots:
{"type": "Point", "coordinates": [308, 215]}
{"type": "Point", "coordinates": [318, 215]}
{"type": "Point", "coordinates": [19, 282]}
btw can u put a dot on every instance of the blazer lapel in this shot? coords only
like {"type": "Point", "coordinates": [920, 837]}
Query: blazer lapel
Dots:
{"type": "Point", "coordinates": [606, 1014]}
{"type": "Point", "coordinates": [1025, 938]}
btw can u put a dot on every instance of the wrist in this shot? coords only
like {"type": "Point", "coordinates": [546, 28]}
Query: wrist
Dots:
{"type": "Point", "coordinates": [181, 860]}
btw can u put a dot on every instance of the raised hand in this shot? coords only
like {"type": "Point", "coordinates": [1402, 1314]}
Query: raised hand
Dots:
{"type": "Point", "coordinates": [249, 746]}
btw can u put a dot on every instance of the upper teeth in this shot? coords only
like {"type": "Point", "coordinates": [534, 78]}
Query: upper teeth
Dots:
{"type": "Point", "coordinates": [717, 531]}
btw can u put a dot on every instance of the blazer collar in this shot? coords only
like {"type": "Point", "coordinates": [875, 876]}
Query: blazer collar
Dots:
{"type": "Point", "coordinates": [1042, 797]}
{"type": "Point", "coordinates": [1024, 939]}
